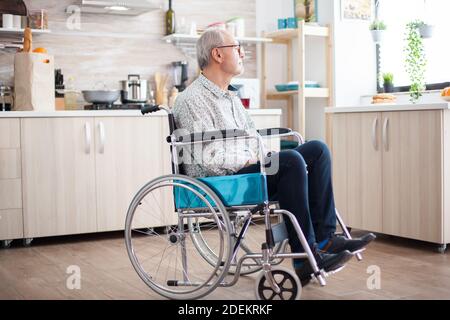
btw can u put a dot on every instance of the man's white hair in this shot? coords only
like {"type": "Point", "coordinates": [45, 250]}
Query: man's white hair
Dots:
{"type": "Point", "coordinates": [209, 40]}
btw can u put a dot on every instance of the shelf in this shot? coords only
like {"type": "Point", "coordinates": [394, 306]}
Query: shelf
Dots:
{"type": "Point", "coordinates": [309, 93]}
{"type": "Point", "coordinates": [13, 38]}
{"type": "Point", "coordinates": [290, 34]}
{"type": "Point", "coordinates": [15, 32]}
{"type": "Point", "coordinates": [178, 37]}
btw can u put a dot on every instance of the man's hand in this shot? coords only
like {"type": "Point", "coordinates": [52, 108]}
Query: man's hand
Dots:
{"type": "Point", "coordinates": [251, 161]}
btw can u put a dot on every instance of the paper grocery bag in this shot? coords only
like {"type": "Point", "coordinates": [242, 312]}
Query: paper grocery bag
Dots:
{"type": "Point", "coordinates": [34, 82]}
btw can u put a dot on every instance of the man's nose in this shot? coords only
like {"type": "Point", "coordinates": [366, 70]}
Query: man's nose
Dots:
{"type": "Point", "coordinates": [242, 52]}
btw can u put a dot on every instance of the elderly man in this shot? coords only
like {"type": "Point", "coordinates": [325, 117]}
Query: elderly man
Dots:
{"type": "Point", "coordinates": [210, 103]}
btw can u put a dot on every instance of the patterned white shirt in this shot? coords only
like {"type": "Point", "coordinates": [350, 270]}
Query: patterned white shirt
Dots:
{"type": "Point", "coordinates": [203, 106]}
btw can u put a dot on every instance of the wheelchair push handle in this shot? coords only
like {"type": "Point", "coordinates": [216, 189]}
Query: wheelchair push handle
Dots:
{"type": "Point", "coordinates": [149, 109]}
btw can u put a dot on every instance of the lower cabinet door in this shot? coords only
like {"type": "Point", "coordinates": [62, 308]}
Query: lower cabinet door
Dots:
{"type": "Point", "coordinates": [357, 171]}
{"type": "Point", "coordinates": [58, 176]}
{"type": "Point", "coordinates": [130, 151]}
{"type": "Point", "coordinates": [412, 174]}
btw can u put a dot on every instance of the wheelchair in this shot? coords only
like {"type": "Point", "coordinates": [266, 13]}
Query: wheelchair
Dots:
{"type": "Point", "coordinates": [214, 229]}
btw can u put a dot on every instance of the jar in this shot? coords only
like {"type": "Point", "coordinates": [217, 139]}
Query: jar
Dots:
{"type": "Point", "coordinates": [38, 19]}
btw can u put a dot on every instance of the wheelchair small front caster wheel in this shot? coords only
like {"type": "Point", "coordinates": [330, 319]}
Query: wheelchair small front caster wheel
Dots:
{"type": "Point", "coordinates": [287, 281]}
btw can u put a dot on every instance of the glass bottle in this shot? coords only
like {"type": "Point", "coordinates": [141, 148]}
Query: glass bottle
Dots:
{"type": "Point", "coordinates": [170, 20]}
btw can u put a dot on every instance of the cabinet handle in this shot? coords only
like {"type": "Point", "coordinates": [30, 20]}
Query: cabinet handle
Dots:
{"type": "Point", "coordinates": [101, 129]}
{"type": "Point", "coordinates": [374, 133]}
{"type": "Point", "coordinates": [385, 138]}
{"type": "Point", "coordinates": [87, 131]}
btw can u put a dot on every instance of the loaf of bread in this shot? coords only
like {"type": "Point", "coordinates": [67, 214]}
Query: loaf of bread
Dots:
{"type": "Point", "coordinates": [383, 98]}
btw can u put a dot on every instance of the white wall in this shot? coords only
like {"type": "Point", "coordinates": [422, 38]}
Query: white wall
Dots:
{"type": "Point", "coordinates": [354, 59]}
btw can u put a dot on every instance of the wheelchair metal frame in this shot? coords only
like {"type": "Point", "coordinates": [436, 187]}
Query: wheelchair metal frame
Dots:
{"type": "Point", "coordinates": [268, 256]}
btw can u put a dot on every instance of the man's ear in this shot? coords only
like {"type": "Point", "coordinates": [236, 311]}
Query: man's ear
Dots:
{"type": "Point", "coordinates": [217, 55]}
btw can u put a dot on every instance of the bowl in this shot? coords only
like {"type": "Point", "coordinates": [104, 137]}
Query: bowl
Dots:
{"type": "Point", "coordinates": [446, 98]}
{"type": "Point", "coordinates": [286, 87]}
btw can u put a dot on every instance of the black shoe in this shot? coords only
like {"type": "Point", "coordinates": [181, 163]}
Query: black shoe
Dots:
{"type": "Point", "coordinates": [340, 243]}
{"type": "Point", "coordinates": [326, 261]}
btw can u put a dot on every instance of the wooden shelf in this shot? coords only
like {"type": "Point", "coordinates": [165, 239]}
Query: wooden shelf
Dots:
{"type": "Point", "coordinates": [178, 37]}
{"type": "Point", "coordinates": [309, 93]}
{"type": "Point", "coordinates": [290, 34]}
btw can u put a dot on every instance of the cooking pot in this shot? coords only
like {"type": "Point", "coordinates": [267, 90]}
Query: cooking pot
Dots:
{"type": "Point", "coordinates": [134, 90]}
{"type": "Point", "coordinates": [101, 96]}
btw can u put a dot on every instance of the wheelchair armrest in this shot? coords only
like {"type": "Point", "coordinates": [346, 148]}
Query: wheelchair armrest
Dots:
{"type": "Point", "coordinates": [273, 131]}
{"type": "Point", "coordinates": [210, 135]}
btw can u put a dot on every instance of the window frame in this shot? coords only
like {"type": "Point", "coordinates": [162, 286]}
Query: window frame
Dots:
{"type": "Point", "coordinates": [380, 89]}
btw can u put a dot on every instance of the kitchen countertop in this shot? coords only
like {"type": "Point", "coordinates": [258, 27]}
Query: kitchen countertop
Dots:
{"type": "Point", "coordinates": [106, 113]}
{"type": "Point", "coordinates": [389, 107]}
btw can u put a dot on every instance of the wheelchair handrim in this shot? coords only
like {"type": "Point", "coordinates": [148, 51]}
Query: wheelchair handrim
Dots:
{"type": "Point", "coordinates": [225, 249]}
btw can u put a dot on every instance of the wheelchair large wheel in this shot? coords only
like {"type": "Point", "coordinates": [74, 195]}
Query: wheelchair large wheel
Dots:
{"type": "Point", "coordinates": [251, 242]}
{"type": "Point", "coordinates": [287, 281]}
{"type": "Point", "coordinates": [165, 257]}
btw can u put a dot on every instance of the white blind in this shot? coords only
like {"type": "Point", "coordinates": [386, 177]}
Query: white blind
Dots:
{"type": "Point", "coordinates": [396, 14]}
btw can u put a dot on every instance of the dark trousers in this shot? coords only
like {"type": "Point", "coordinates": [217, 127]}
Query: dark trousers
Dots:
{"type": "Point", "coordinates": [302, 185]}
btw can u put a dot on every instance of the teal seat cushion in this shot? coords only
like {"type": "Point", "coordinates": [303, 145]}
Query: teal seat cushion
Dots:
{"type": "Point", "coordinates": [234, 190]}
{"type": "Point", "coordinates": [287, 144]}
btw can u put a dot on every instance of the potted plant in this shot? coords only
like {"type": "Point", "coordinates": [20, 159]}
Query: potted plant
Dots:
{"type": "Point", "coordinates": [388, 82]}
{"type": "Point", "coordinates": [377, 29]}
{"type": "Point", "coordinates": [425, 30]}
{"type": "Point", "coordinates": [415, 61]}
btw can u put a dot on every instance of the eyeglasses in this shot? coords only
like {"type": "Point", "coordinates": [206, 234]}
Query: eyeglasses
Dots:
{"type": "Point", "coordinates": [237, 46]}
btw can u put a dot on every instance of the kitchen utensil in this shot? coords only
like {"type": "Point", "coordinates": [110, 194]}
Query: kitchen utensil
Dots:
{"type": "Point", "coordinates": [101, 96]}
{"type": "Point", "coordinates": [134, 90]}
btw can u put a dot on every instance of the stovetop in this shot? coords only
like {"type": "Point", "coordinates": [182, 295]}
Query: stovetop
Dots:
{"type": "Point", "coordinates": [136, 106]}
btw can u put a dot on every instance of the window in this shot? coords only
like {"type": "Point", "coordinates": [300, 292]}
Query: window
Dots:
{"type": "Point", "coordinates": [396, 14]}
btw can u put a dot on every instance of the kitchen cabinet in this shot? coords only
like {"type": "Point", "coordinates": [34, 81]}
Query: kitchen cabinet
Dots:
{"type": "Point", "coordinates": [129, 153]}
{"type": "Point", "coordinates": [58, 159]}
{"type": "Point", "coordinates": [392, 168]}
{"type": "Point", "coordinates": [77, 172]}
{"type": "Point", "coordinates": [412, 175]}
{"type": "Point", "coordinates": [11, 219]}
